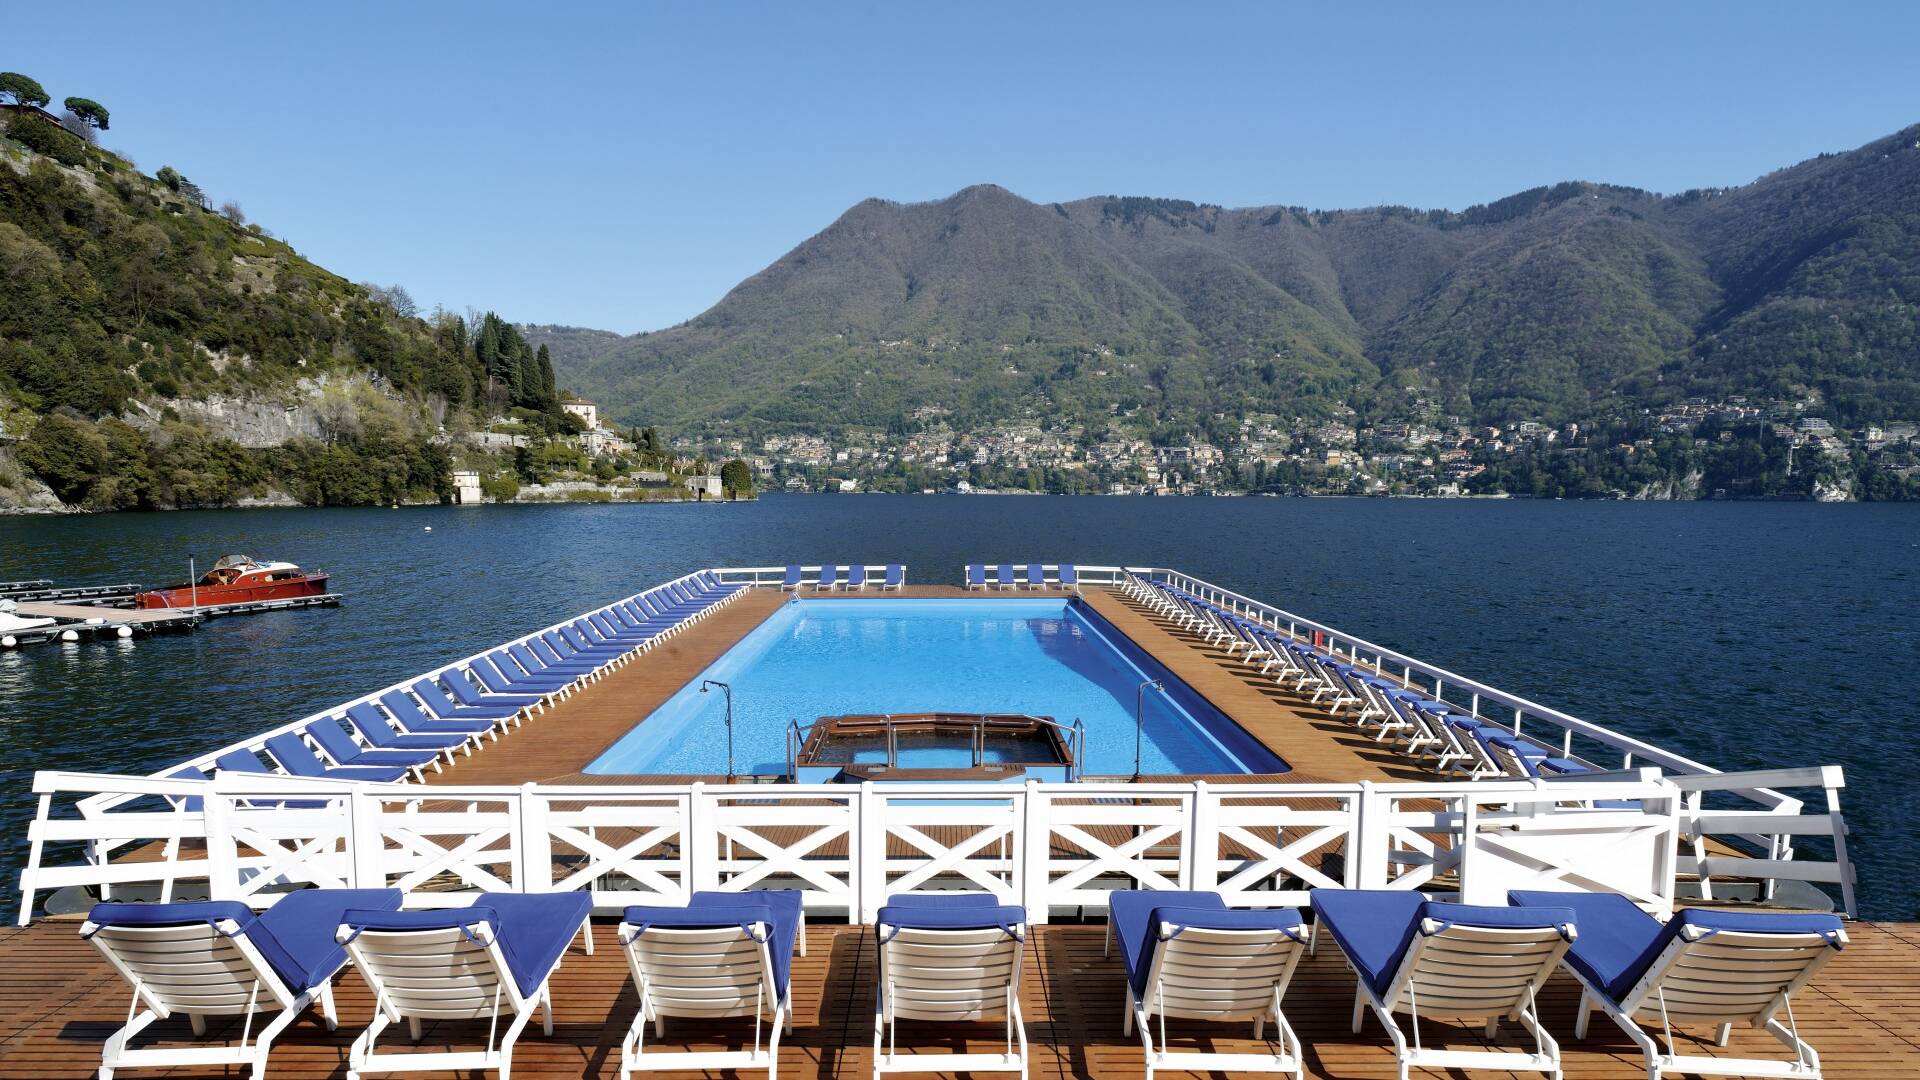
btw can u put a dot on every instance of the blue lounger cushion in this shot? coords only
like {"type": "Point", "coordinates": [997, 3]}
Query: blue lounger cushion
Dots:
{"type": "Point", "coordinates": [949, 911]}
{"type": "Point", "coordinates": [412, 718]}
{"type": "Point", "coordinates": [1137, 913]}
{"type": "Point", "coordinates": [381, 734]}
{"type": "Point", "coordinates": [778, 909]}
{"type": "Point", "coordinates": [445, 708]}
{"type": "Point", "coordinates": [294, 936]}
{"type": "Point", "coordinates": [340, 747]}
{"type": "Point", "coordinates": [1618, 942]}
{"type": "Point", "coordinates": [533, 929]}
{"type": "Point", "coordinates": [1375, 927]}
{"type": "Point", "coordinates": [502, 676]}
{"type": "Point", "coordinates": [464, 692]}
{"type": "Point", "coordinates": [298, 759]}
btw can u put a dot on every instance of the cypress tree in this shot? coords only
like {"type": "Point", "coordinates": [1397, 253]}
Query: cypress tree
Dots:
{"type": "Point", "coordinates": [549, 395]}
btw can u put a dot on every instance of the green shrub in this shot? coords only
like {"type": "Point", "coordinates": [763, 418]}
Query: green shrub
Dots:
{"type": "Point", "coordinates": [41, 137]}
{"type": "Point", "coordinates": [500, 488]}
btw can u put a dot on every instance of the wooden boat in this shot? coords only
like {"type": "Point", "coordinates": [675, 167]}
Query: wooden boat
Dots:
{"type": "Point", "coordinates": [238, 579]}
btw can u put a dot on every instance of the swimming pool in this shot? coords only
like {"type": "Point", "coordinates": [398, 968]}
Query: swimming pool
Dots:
{"type": "Point", "coordinates": [827, 657]}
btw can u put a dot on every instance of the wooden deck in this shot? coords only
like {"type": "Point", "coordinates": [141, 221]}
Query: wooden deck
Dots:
{"type": "Point", "coordinates": [59, 1000]}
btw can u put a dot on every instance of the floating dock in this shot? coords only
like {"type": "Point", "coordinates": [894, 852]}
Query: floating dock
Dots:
{"type": "Point", "coordinates": [83, 620]}
{"type": "Point", "coordinates": [80, 594]}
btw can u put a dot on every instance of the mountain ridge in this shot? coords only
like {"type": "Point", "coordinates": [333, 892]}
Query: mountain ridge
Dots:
{"type": "Point", "coordinates": [1561, 302]}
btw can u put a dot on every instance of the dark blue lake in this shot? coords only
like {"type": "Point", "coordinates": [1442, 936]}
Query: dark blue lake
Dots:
{"type": "Point", "coordinates": [1744, 635]}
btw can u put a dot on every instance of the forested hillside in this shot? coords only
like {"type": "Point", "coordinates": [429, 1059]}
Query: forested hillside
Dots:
{"type": "Point", "coordinates": [136, 324]}
{"type": "Point", "coordinates": [1557, 304]}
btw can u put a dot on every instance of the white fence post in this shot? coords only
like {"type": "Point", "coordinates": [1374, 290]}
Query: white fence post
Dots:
{"type": "Point", "coordinates": [1203, 839]}
{"type": "Point", "coordinates": [1035, 833]}
{"type": "Point", "coordinates": [702, 838]}
{"type": "Point", "coordinates": [869, 849]}
{"type": "Point", "coordinates": [223, 857]}
{"type": "Point", "coordinates": [535, 872]}
{"type": "Point", "coordinates": [363, 841]}
{"type": "Point", "coordinates": [1370, 838]}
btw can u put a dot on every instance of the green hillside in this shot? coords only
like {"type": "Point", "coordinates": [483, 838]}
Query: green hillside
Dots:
{"type": "Point", "coordinates": [1560, 303]}
{"type": "Point", "coordinates": [127, 298]}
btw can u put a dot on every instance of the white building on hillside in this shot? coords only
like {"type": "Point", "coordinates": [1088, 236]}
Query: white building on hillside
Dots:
{"type": "Point", "coordinates": [585, 410]}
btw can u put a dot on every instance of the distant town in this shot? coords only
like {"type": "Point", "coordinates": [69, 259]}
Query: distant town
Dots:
{"type": "Point", "coordinates": [1732, 448]}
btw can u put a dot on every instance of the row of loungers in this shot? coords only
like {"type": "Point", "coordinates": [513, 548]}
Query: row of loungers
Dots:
{"type": "Point", "coordinates": [1022, 576]}
{"type": "Point", "coordinates": [404, 732]}
{"type": "Point", "coordinates": [956, 957]}
{"type": "Point", "coordinates": [850, 578]}
{"type": "Point", "coordinates": [1445, 736]}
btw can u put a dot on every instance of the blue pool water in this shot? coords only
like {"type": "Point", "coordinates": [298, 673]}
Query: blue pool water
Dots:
{"type": "Point", "coordinates": [1047, 657]}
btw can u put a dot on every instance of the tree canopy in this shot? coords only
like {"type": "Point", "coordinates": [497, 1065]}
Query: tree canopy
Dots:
{"type": "Point", "coordinates": [90, 112]}
{"type": "Point", "coordinates": [23, 90]}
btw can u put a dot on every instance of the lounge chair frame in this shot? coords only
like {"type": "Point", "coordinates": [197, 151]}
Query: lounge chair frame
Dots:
{"type": "Point", "coordinates": [719, 959]}
{"type": "Point", "coordinates": [1237, 959]}
{"type": "Point", "coordinates": [213, 943]}
{"type": "Point", "coordinates": [1428, 956]}
{"type": "Point", "coordinates": [385, 958]}
{"type": "Point", "coordinates": [912, 959]}
{"type": "Point", "coordinates": [1700, 958]}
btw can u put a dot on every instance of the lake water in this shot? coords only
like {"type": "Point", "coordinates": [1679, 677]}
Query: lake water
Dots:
{"type": "Point", "coordinates": [1745, 635]}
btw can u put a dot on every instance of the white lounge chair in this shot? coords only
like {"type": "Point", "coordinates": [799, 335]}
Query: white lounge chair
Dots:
{"type": "Point", "coordinates": [723, 954]}
{"type": "Point", "coordinates": [466, 963]}
{"type": "Point", "coordinates": [1414, 955]}
{"type": "Point", "coordinates": [218, 958]}
{"type": "Point", "coordinates": [949, 958]}
{"type": "Point", "coordinates": [1717, 968]}
{"type": "Point", "coordinates": [1186, 955]}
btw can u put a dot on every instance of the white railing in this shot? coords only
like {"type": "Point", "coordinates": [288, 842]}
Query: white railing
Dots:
{"type": "Point", "coordinates": [1051, 847]}
{"type": "Point", "coordinates": [1510, 711]}
{"type": "Point", "coordinates": [809, 573]}
{"type": "Point", "coordinates": [1740, 843]}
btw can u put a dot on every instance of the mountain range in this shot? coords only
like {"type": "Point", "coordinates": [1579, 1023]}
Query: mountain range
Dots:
{"type": "Point", "coordinates": [1567, 302]}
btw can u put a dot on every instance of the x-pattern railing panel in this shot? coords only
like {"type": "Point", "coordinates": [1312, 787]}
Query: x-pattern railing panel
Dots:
{"type": "Point", "coordinates": [1047, 846]}
{"type": "Point", "coordinates": [1264, 845]}
{"type": "Point", "coordinates": [946, 841]}
{"type": "Point", "coordinates": [1093, 845]}
{"type": "Point", "coordinates": [786, 841]}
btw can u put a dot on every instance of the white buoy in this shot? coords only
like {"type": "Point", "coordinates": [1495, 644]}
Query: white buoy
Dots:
{"type": "Point", "coordinates": [429, 528]}
{"type": "Point", "coordinates": [8, 642]}
{"type": "Point", "coordinates": [123, 632]}
{"type": "Point", "coordinates": [69, 635]}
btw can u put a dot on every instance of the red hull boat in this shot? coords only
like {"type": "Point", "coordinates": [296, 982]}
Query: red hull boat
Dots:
{"type": "Point", "coordinates": [237, 579]}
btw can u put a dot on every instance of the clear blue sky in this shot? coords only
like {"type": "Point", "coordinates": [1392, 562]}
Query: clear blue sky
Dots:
{"type": "Point", "coordinates": [623, 165]}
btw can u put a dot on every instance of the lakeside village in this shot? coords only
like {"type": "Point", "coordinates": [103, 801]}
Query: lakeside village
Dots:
{"type": "Point", "coordinates": [1737, 448]}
